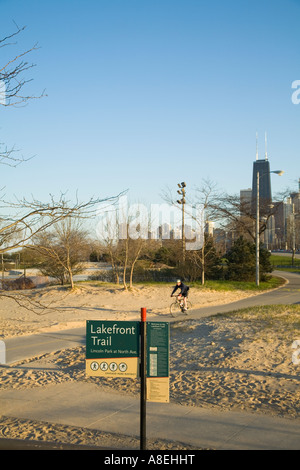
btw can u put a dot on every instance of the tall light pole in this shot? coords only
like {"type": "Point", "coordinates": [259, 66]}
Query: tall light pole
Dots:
{"type": "Point", "coordinates": [258, 176]}
{"type": "Point", "coordinates": [181, 201]}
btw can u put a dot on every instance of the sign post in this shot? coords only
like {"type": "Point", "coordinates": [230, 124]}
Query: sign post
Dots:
{"type": "Point", "coordinates": [143, 330]}
{"type": "Point", "coordinates": [131, 349]}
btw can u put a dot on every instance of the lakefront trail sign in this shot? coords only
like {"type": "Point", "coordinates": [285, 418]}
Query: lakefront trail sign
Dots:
{"type": "Point", "coordinates": [131, 349]}
{"type": "Point", "coordinates": [112, 348]}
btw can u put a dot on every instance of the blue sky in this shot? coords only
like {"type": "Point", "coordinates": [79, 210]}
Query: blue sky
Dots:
{"type": "Point", "coordinates": [143, 94]}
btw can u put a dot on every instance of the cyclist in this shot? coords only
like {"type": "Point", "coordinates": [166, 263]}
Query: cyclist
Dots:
{"type": "Point", "coordinates": [183, 292]}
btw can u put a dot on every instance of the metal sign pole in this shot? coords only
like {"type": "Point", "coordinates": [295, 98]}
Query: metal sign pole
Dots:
{"type": "Point", "coordinates": [143, 380]}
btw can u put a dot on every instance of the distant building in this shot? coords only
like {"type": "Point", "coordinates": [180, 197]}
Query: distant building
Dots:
{"type": "Point", "coordinates": [246, 194]}
{"type": "Point", "coordinates": [261, 175]}
{"type": "Point", "coordinates": [245, 199]}
{"type": "Point", "coordinates": [261, 178]}
{"type": "Point", "coordinates": [295, 197]}
{"type": "Point", "coordinates": [209, 227]}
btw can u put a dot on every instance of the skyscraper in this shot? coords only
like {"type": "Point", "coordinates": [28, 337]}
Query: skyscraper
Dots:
{"type": "Point", "coordinates": [262, 169]}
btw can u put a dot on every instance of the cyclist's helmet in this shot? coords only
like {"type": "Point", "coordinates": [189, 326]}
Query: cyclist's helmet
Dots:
{"type": "Point", "coordinates": [178, 281]}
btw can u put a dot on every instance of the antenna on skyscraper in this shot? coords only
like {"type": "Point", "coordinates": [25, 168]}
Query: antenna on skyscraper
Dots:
{"type": "Point", "coordinates": [256, 148]}
{"type": "Point", "coordinates": [266, 153]}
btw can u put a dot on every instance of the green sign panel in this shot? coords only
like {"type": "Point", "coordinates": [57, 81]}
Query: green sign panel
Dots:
{"type": "Point", "coordinates": [158, 349]}
{"type": "Point", "coordinates": [112, 339]}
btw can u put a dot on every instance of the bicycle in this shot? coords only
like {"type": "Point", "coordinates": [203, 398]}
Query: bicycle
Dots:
{"type": "Point", "coordinates": [178, 306]}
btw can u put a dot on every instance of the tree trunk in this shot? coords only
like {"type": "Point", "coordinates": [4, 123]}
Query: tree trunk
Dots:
{"type": "Point", "coordinates": [131, 275]}
{"type": "Point", "coordinates": [71, 278]}
{"type": "Point", "coordinates": [203, 265]}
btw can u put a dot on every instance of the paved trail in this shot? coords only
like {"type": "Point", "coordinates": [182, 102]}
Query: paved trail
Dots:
{"type": "Point", "coordinates": [25, 347]}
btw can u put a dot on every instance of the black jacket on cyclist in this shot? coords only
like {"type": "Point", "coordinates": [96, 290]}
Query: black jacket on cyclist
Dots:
{"type": "Point", "coordinates": [183, 289]}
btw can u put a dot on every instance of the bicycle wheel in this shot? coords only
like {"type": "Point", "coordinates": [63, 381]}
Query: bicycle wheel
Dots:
{"type": "Point", "coordinates": [189, 306]}
{"type": "Point", "coordinates": [175, 309]}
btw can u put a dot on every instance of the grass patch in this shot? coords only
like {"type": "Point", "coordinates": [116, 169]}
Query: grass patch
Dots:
{"type": "Point", "coordinates": [284, 313]}
{"type": "Point", "coordinates": [284, 263]}
{"type": "Point", "coordinates": [283, 259]}
{"type": "Point", "coordinates": [282, 320]}
{"type": "Point", "coordinates": [272, 283]}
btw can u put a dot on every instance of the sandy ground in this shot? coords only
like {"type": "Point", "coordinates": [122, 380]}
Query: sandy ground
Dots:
{"type": "Point", "coordinates": [57, 307]}
{"type": "Point", "coordinates": [241, 361]}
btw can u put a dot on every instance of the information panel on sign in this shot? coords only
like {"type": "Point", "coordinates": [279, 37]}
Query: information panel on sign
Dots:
{"type": "Point", "coordinates": [158, 389]}
{"type": "Point", "coordinates": [158, 361]}
{"type": "Point", "coordinates": [112, 348]}
{"type": "Point", "coordinates": [157, 349]}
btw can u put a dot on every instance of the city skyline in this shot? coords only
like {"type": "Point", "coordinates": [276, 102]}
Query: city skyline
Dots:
{"type": "Point", "coordinates": [282, 215]}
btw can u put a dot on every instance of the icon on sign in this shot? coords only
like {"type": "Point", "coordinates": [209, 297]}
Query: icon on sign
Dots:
{"type": "Point", "coordinates": [94, 365]}
{"type": "Point", "coordinates": [113, 366]}
{"type": "Point", "coordinates": [104, 366]}
{"type": "Point", "coordinates": [123, 367]}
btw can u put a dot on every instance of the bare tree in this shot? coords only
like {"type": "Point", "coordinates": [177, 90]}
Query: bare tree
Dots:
{"type": "Point", "coordinates": [62, 249]}
{"type": "Point", "coordinates": [27, 219]}
{"type": "Point", "coordinates": [205, 198]}
{"type": "Point", "coordinates": [234, 214]}
{"type": "Point", "coordinates": [131, 251]}
{"type": "Point", "coordinates": [32, 219]}
{"type": "Point", "coordinates": [124, 240]}
{"type": "Point", "coordinates": [11, 73]}
{"type": "Point", "coordinates": [108, 236]}
{"type": "Point", "coordinates": [13, 81]}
